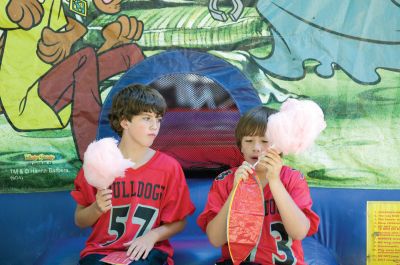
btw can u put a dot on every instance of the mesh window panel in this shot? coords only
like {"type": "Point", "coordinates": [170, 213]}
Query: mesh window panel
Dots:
{"type": "Point", "coordinates": [198, 128]}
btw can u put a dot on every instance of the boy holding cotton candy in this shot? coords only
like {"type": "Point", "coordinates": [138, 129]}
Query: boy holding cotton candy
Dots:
{"type": "Point", "coordinates": [288, 217]}
{"type": "Point", "coordinates": [132, 196]}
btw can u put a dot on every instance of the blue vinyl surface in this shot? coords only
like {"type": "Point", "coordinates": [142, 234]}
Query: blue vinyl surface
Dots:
{"type": "Point", "coordinates": [38, 228]}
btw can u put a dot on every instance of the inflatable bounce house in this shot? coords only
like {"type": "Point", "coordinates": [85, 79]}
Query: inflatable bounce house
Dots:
{"type": "Point", "coordinates": [61, 63]}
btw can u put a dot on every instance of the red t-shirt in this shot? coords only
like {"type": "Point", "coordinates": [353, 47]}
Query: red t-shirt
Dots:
{"type": "Point", "coordinates": [274, 244]}
{"type": "Point", "coordinates": [148, 197]}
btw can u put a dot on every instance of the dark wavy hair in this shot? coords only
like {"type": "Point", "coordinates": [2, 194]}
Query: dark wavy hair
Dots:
{"type": "Point", "coordinates": [253, 123]}
{"type": "Point", "coordinates": [133, 100]}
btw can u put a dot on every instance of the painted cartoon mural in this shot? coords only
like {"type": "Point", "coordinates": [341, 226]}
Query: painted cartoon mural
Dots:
{"type": "Point", "coordinates": [60, 58]}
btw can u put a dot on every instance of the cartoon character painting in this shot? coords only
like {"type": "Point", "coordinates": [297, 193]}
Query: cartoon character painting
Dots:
{"type": "Point", "coordinates": [345, 35]}
{"type": "Point", "coordinates": [60, 58]}
{"type": "Point", "coordinates": [43, 85]}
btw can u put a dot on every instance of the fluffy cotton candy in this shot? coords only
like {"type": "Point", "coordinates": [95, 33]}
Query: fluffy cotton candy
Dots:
{"type": "Point", "coordinates": [103, 162]}
{"type": "Point", "coordinates": [296, 126]}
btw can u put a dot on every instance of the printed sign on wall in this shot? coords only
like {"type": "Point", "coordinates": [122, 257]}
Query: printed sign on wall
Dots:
{"type": "Point", "coordinates": [383, 233]}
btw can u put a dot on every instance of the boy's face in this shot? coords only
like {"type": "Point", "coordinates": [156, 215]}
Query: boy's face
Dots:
{"type": "Point", "coordinates": [253, 146]}
{"type": "Point", "coordinates": [142, 129]}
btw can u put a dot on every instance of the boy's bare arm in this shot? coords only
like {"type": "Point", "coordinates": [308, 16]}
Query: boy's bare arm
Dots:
{"type": "Point", "coordinates": [295, 221]}
{"type": "Point", "coordinates": [216, 228]}
{"type": "Point", "coordinates": [87, 216]}
{"type": "Point", "coordinates": [166, 231]}
{"type": "Point", "coordinates": [140, 247]}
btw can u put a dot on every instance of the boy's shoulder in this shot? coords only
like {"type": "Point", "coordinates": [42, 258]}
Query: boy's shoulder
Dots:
{"type": "Point", "coordinates": [290, 173]}
{"type": "Point", "coordinates": [167, 157]}
{"type": "Point", "coordinates": [166, 160]}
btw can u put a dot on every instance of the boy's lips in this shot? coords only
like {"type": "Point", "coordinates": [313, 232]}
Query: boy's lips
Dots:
{"type": "Point", "coordinates": [253, 160]}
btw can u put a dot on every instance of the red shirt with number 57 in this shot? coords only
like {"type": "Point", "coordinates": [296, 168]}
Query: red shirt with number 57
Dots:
{"type": "Point", "coordinates": [145, 198]}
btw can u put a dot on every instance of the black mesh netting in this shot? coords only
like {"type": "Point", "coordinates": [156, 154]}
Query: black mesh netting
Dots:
{"type": "Point", "coordinates": [198, 128]}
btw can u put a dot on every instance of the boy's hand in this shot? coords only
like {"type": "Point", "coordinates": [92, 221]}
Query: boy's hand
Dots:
{"type": "Point", "coordinates": [103, 200]}
{"type": "Point", "coordinates": [140, 247]}
{"type": "Point", "coordinates": [272, 162]}
{"type": "Point", "coordinates": [243, 172]}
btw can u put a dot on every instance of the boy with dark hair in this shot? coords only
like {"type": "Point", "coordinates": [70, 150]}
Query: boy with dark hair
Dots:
{"type": "Point", "coordinates": [288, 215]}
{"type": "Point", "coordinates": [140, 211]}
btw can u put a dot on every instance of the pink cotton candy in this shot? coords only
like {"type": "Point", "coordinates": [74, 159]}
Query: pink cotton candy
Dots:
{"type": "Point", "coordinates": [296, 126]}
{"type": "Point", "coordinates": [103, 162]}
